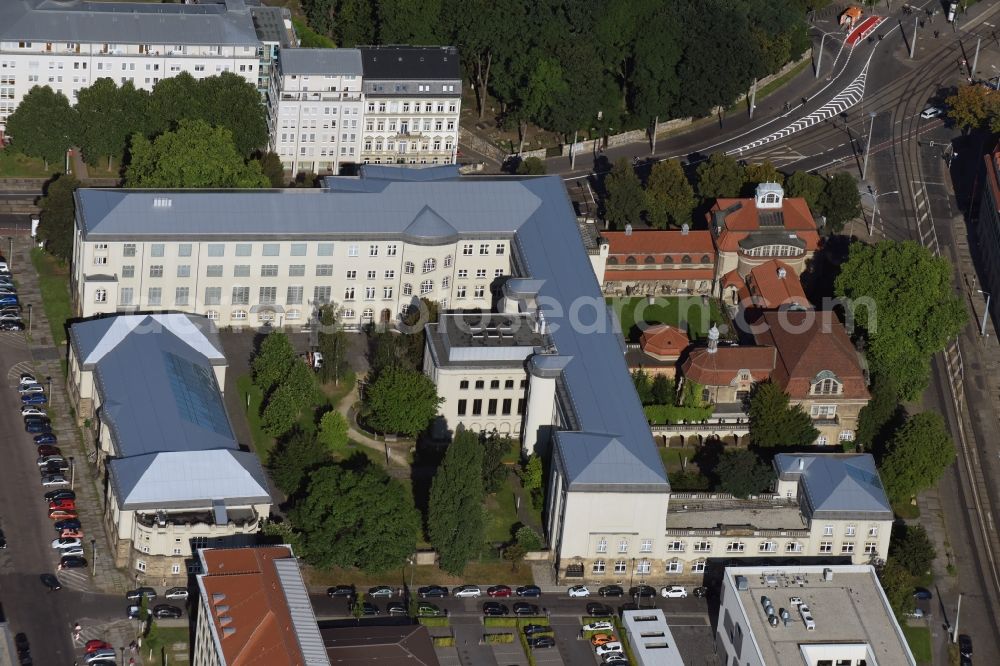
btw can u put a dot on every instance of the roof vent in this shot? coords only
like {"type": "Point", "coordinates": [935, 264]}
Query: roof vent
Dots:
{"type": "Point", "coordinates": [225, 620]}
{"type": "Point", "coordinates": [685, 228]}
{"type": "Point", "coordinates": [228, 631]}
{"type": "Point", "coordinates": [802, 464]}
{"type": "Point", "coordinates": [782, 273]}
{"type": "Point", "coordinates": [628, 229]}
{"type": "Point", "coordinates": [162, 202]}
{"type": "Point", "coordinates": [222, 609]}
{"type": "Point", "coordinates": [218, 597]}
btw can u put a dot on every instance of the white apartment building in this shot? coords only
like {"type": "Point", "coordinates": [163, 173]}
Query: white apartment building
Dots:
{"type": "Point", "coordinates": [413, 98]}
{"type": "Point", "coordinates": [807, 616]}
{"type": "Point", "coordinates": [69, 45]}
{"type": "Point", "coordinates": [315, 109]}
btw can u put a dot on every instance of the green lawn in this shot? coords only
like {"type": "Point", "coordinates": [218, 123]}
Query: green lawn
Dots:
{"type": "Point", "coordinates": [672, 458]}
{"type": "Point", "coordinates": [905, 510]}
{"type": "Point", "coordinates": [262, 442]}
{"type": "Point", "coordinates": [686, 312]}
{"type": "Point", "coordinates": [163, 640]}
{"type": "Point", "coordinates": [53, 281]}
{"type": "Point", "coordinates": [16, 165]}
{"type": "Point", "coordinates": [503, 515]}
{"type": "Point", "coordinates": [919, 639]}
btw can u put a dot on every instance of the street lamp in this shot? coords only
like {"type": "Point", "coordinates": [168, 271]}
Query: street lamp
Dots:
{"type": "Point", "coordinates": [873, 193]}
{"type": "Point", "coordinates": [10, 254]}
{"type": "Point", "coordinates": [49, 380]}
{"type": "Point", "coordinates": [72, 474]}
{"type": "Point", "coordinates": [982, 327]}
{"type": "Point", "coordinates": [871, 126]}
{"type": "Point", "coordinates": [29, 317]}
{"type": "Point", "coordinates": [93, 555]}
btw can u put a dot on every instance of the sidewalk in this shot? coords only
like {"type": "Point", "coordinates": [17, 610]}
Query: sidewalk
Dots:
{"type": "Point", "coordinates": [346, 408]}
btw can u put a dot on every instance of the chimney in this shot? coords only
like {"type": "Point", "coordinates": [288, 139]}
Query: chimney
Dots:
{"type": "Point", "coordinates": [628, 229]}
{"type": "Point", "coordinates": [685, 228]}
{"type": "Point", "coordinates": [782, 273]}
{"type": "Point", "coordinates": [713, 339]}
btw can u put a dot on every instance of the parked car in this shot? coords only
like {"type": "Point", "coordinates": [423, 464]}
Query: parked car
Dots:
{"type": "Point", "coordinates": [602, 639]}
{"type": "Point", "coordinates": [674, 592]}
{"type": "Point", "coordinates": [608, 648]}
{"type": "Point", "coordinates": [499, 591]}
{"type": "Point", "coordinates": [71, 534]}
{"type": "Point", "coordinates": [68, 524]}
{"type": "Point", "coordinates": [642, 591]}
{"type": "Point", "coordinates": [167, 611]}
{"type": "Point", "coordinates": [53, 467]}
{"type": "Point", "coordinates": [535, 629]}
{"type": "Point", "coordinates": [42, 461]}
{"type": "Point", "coordinates": [16, 325]}
{"type": "Point", "coordinates": [529, 591]}
{"type": "Point", "coordinates": [148, 592]}
{"type": "Point", "coordinates": [369, 609]}
{"type": "Point", "coordinates": [396, 609]}
{"type": "Point", "coordinates": [34, 399]}
{"type": "Point", "coordinates": [54, 480]}
{"type": "Point", "coordinates": [50, 581]}
{"type": "Point", "coordinates": [48, 450]}
{"type": "Point", "coordinates": [462, 591]}
{"type": "Point", "coordinates": [425, 609]}
{"type": "Point", "coordinates": [700, 591]}
{"type": "Point", "coordinates": [59, 493]}
{"type": "Point", "coordinates": [380, 591]}
{"type": "Point", "coordinates": [99, 655]}
{"type": "Point", "coordinates": [495, 608]}
{"type": "Point", "coordinates": [429, 591]}
{"type": "Point", "coordinates": [30, 388]}
{"type": "Point", "coordinates": [611, 591]}
{"type": "Point", "coordinates": [598, 626]}
{"type": "Point", "coordinates": [541, 642]}
{"type": "Point", "coordinates": [45, 438]}
{"type": "Point", "coordinates": [31, 410]}
{"type": "Point", "coordinates": [27, 378]}
{"type": "Point", "coordinates": [62, 514]}
{"type": "Point", "coordinates": [75, 550]}
{"type": "Point", "coordinates": [524, 608]}
{"type": "Point", "coordinates": [345, 591]}
{"type": "Point", "coordinates": [615, 659]}
{"type": "Point", "coordinates": [578, 591]}
{"type": "Point", "coordinates": [72, 562]}
{"type": "Point", "coordinates": [931, 112]}
{"type": "Point", "coordinates": [8, 300]}
{"type": "Point", "coordinates": [177, 594]}
{"type": "Point", "coordinates": [34, 427]}
{"type": "Point", "coordinates": [922, 593]}
{"type": "Point", "coordinates": [916, 613]}
{"type": "Point", "coordinates": [599, 610]}
{"type": "Point", "coordinates": [9, 316]}
{"type": "Point", "coordinates": [133, 611]}
{"type": "Point", "coordinates": [97, 645]}
{"type": "Point", "coordinates": [65, 542]}
{"type": "Point", "coordinates": [965, 645]}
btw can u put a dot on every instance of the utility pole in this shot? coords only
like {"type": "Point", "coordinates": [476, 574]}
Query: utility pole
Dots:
{"type": "Point", "coordinates": [982, 327]}
{"type": "Point", "coordinates": [958, 614]}
{"type": "Point", "coordinates": [975, 58]}
{"type": "Point", "coordinates": [656, 122]}
{"type": "Point", "coordinates": [871, 126]}
{"type": "Point", "coordinates": [819, 58]}
{"type": "Point", "coordinates": [753, 98]}
{"type": "Point", "coordinates": [913, 42]}
{"type": "Point", "coordinates": [572, 152]}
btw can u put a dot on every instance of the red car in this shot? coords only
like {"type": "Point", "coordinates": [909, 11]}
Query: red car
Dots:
{"type": "Point", "coordinates": [71, 534]}
{"type": "Point", "coordinates": [62, 514]}
{"type": "Point", "coordinates": [64, 503]}
{"type": "Point", "coordinates": [94, 645]}
{"type": "Point", "coordinates": [49, 450]}
{"type": "Point", "coordinates": [499, 591]}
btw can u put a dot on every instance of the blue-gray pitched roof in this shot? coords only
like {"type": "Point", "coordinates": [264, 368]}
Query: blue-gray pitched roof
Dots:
{"type": "Point", "coordinates": [836, 484]}
{"type": "Point", "coordinates": [384, 202]}
{"type": "Point", "coordinates": [330, 62]}
{"type": "Point", "coordinates": [75, 21]}
{"type": "Point", "coordinates": [92, 340]}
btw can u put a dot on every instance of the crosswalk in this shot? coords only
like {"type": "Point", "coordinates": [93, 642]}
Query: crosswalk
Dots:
{"type": "Point", "coordinates": [842, 101]}
{"type": "Point", "coordinates": [16, 370]}
{"type": "Point", "coordinates": [76, 579]}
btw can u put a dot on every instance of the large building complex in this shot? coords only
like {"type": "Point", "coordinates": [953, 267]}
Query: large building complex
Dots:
{"type": "Point", "coordinates": [808, 616]}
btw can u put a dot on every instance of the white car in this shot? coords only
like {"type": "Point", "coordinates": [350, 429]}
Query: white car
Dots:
{"type": "Point", "coordinates": [674, 592]}
{"type": "Point", "coordinates": [931, 112]}
{"type": "Point", "coordinates": [31, 410]}
{"type": "Point", "coordinates": [795, 601]}
{"type": "Point", "coordinates": [467, 591]}
{"type": "Point", "coordinates": [608, 648]}
{"type": "Point", "coordinates": [25, 389]}
{"type": "Point", "coordinates": [67, 542]}
{"type": "Point", "coordinates": [75, 550]}
{"type": "Point", "coordinates": [578, 591]}
{"type": "Point", "coordinates": [598, 626]}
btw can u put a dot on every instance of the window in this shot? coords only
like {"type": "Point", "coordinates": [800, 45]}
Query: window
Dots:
{"type": "Point", "coordinates": [407, 289]}
{"type": "Point", "coordinates": [429, 265]}
{"type": "Point", "coordinates": [501, 248]}
{"type": "Point", "coordinates": [154, 296]}
{"type": "Point", "coordinates": [793, 547]}
{"type": "Point", "coordinates": [467, 249]}
{"type": "Point", "coordinates": [828, 530]}
{"type": "Point", "coordinates": [735, 547]}
{"type": "Point", "coordinates": [480, 273]}
{"type": "Point", "coordinates": [370, 275]}
{"type": "Point", "coordinates": [212, 314]}
{"type": "Point", "coordinates": [128, 250]}
{"type": "Point", "coordinates": [675, 566]}
{"type": "Point", "coordinates": [847, 548]}
{"type": "Point", "coordinates": [460, 292]}
{"type": "Point", "coordinates": [426, 287]}
{"type": "Point", "coordinates": [462, 273]}
{"type": "Point", "coordinates": [827, 386]}
{"type": "Point", "coordinates": [184, 250]}
{"type": "Point", "coordinates": [373, 250]}
{"type": "Point", "coordinates": [823, 411]}
{"type": "Point", "coordinates": [509, 384]}
{"type": "Point", "coordinates": [269, 270]}
{"type": "Point", "coordinates": [244, 249]}
{"type": "Point", "coordinates": [324, 270]}
{"type": "Point", "coordinates": [826, 547]}
{"type": "Point", "coordinates": [125, 296]}
{"type": "Point", "coordinates": [296, 270]}
{"type": "Point", "coordinates": [480, 385]}
{"type": "Point", "coordinates": [184, 270]}
{"type": "Point", "coordinates": [298, 250]}
{"type": "Point", "coordinates": [268, 295]}
{"type": "Point", "coordinates": [349, 294]}
{"type": "Point", "coordinates": [507, 404]}
{"type": "Point", "coordinates": [871, 548]}
{"type": "Point", "coordinates": [621, 566]}
{"type": "Point", "coordinates": [702, 546]}
{"type": "Point", "coordinates": [768, 547]}
{"type": "Point", "coordinates": [598, 567]}
{"type": "Point", "coordinates": [846, 436]}
{"type": "Point", "coordinates": [873, 531]}
{"type": "Point", "coordinates": [156, 250]}
{"type": "Point", "coordinates": [623, 545]}
{"type": "Point", "coordinates": [479, 291]}
{"type": "Point", "coordinates": [672, 546]}
{"type": "Point", "coordinates": [326, 250]}
{"type": "Point", "coordinates": [643, 568]}
{"type": "Point", "coordinates": [213, 295]}
{"type": "Point", "coordinates": [140, 565]}
{"type": "Point", "coordinates": [447, 261]}
{"type": "Point", "coordinates": [241, 295]}
{"type": "Point", "coordinates": [352, 275]}
{"type": "Point", "coordinates": [101, 296]}
{"type": "Point", "coordinates": [181, 295]}
{"type": "Point", "coordinates": [271, 249]}
{"type": "Point", "coordinates": [461, 407]}
{"type": "Point", "coordinates": [241, 270]}
{"type": "Point", "coordinates": [464, 384]}
{"type": "Point", "coordinates": [386, 292]}
{"type": "Point", "coordinates": [408, 267]}
{"type": "Point", "coordinates": [390, 250]}
{"type": "Point", "coordinates": [491, 407]}
{"type": "Point", "coordinates": [239, 315]}
{"type": "Point", "coordinates": [352, 250]}
{"type": "Point", "coordinates": [213, 270]}
{"type": "Point", "coordinates": [477, 407]}
{"type": "Point", "coordinates": [156, 271]}
{"type": "Point", "coordinates": [176, 568]}
{"type": "Point", "coordinates": [602, 545]}
{"type": "Point", "coordinates": [369, 293]}
{"type": "Point", "coordinates": [821, 440]}
{"type": "Point", "coordinates": [484, 248]}
{"type": "Point", "coordinates": [128, 271]}
{"type": "Point", "coordinates": [216, 250]}
{"type": "Point", "coordinates": [322, 295]}
{"type": "Point", "coordinates": [495, 384]}
{"type": "Point", "coordinates": [389, 275]}
{"type": "Point", "coordinates": [850, 530]}
{"type": "Point", "coordinates": [698, 567]}
{"type": "Point", "coordinates": [497, 272]}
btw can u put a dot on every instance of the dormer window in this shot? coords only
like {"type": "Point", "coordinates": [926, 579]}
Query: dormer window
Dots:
{"type": "Point", "coordinates": [826, 383]}
{"type": "Point", "coordinates": [769, 195]}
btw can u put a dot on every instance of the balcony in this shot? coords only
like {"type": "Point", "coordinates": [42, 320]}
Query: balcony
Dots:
{"type": "Point", "coordinates": [328, 96]}
{"type": "Point", "coordinates": [243, 519]}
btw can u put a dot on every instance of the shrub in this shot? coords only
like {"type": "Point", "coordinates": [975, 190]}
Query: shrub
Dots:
{"type": "Point", "coordinates": [660, 414]}
{"type": "Point", "coordinates": [528, 538]}
{"type": "Point", "coordinates": [498, 638]}
{"type": "Point", "coordinates": [443, 641]}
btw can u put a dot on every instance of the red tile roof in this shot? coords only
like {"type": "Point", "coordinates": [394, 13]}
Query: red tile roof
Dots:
{"type": "Point", "coordinates": [744, 219]}
{"type": "Point", "coordinates": [770, 290]}
{"type": "Point", "coordinates": [808, 343]}
{"type": "Point", "coordinates": [253, 603]}
{"type": "Point", "coordinates": [722, 367]}
{"type": "Point", "coordinates": [664, 341]}
{"type": "Point", "coordinates": [623, 274]}
{"type": "Point", "coordinates": [660, 242]}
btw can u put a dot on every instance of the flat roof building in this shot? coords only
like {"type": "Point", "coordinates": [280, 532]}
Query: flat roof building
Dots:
{"type": "Point", "coordinates": [652, 643]}
{"type": "Point", "coordinates": [808, 616]}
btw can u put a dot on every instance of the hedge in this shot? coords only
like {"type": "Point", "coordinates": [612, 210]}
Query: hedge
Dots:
{"type": "Point", "coordinates": [498, 638]}
{"type": "Point", "coordinates": [443, 641]}
{"type": "Point", "coordinates": [433, 621]}
{"type": "Point", "coordinates": [660, 414]}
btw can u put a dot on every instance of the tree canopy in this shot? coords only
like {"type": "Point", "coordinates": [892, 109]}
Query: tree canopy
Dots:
{"type": "Point", "coordinates": [840, 200]}
{"type": "Point", "coordinates": [43, 125]}
{"type": "Point", "coordinates": [918, 454]}
{"type": "Point", "coordinates": [912, 548]}
{"type": "Point", "coordinates": [108, 116]}
{"type": "Point", "coordinates": [292, 462]}
{"type": "Point", "coordinates": [760, 172]}
{"type": "Point", "coordinates": [808, 186]}
{"type": "Point", "coordinates": [902, 296]}
{"type": "Point", "coordinates": [742, 473]}
{"type": "Point", "coordinates": [669, 195]}
{"type": "Point", "coordinates": [495, 447]}
{"type": "Point", "coordinates": [625, 198]}
{"type": "Point", "coordinates": [454, 522]}
{"type": "Point", "coordinates": [774, 422]}
{"type": "Point", "coordinates": [974, 106]}
{"type": "Point", "coordinates": [194, 155]}
{"type": "Point", "coordinates": [720, 176]}
{"type": "Point", "coordinates": [58, 216]}
{"type": "Point", "coordinates": [272, 361]}
{"type": "Point", "coordinates": [400, 401]}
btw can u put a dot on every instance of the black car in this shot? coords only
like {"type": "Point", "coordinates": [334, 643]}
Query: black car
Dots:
{"type": "Point", "coordinates": [345, 591]}
{"type": "Point", "coordinates": [369, 609]}
{"type": "Point", "coordinates": [51, 582]}
{"type": "Point", "coordinates": [396, 608]}
{"type": "Point", "coordinates": [611, 591]}
{"type": "Point", "coordinates": [148, 592]}
{"type": "Point", "coordinates": [922, 593]}
{"type": "Point", "coordinates": [965, 645]}
{"type": "Point", "coordinates": [532, 629]}
{"type": "Point", "coordinates": [524, 608]}
{"type": "Point", "coordinates": [700, 592]}
{"type": "Point", "coordinates": [21, 643]}
{"type": "Point", "coordinates": [12, 325]}
{"type": "Point", "coordinates": [67, 524]}
{"type": "Point", "coordinates": [642, 591]}
{"type": "Point", "coordinates": [495, 608]}
{"type": "Point", "coordinates": [166, 610]}
{"type": "Point", "coordinates": [541, 642]}
{"type": "Point", "coordinates": [595, 609]}
{"type": "Point", "coordinates": [429, 591]}
{"type": "Point", "coordinates": [3, 540]}
{"type": "Point", "coordinates": [72, 562]}
{"type": "Point", "coordinates": [61, 493]}
{"type": "Point", "coordinates": [53, 467]}
{"type": "Point", "coordinates": [528, 591]}
{"type": "Point", "coordinates": [36, 427]}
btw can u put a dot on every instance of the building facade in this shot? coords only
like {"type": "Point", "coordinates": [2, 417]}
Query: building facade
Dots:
{"type": "Point", "coordinates": [68, 46]}
{"type": "Point", "coordinates": [658, 263]}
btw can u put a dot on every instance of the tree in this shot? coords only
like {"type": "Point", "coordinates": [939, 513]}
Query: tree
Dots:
{"type": "Point", "coordinates": [272, 168]}
{"type": "Point", "coordinates": [414, 336]}
{"type": "Point", "coordinates": [401, 401]}
{"type": "Point", "coordinates": [495, 446]}
{"type": "Point", "coordinates": [532, 166]}
{"type": "Point", "coordinates": [108, 116]}
{"type": "Point", "coordinates": [333, 431]}
{"type": "Point", "coordinates": [720, 176]}
{"type": "Point", "coordinates": [531, 476]}
{"type": "Point", "coordinates": [272, 361]}
{"type": "Point", "coordinates": [662, 390]}
{"type": "Point", "coordinates": [880, 411]}
{"type": "Point", "coordinates": [669, 195]}
{"type": "Point", "coordinates": [230, 101]}
{"type": "Point", "coordinates": [625, 199]}
{"type": "Point", "coordinates": [898, 586]}
{"type": "Point", "coordinates": [58, 216]}
{"type": "Point", "coordinates": [514, 553]}
{"type": "Point", "coordinates": [528, 538]}
{"type": "Point", "coordinates": [454, 523]}
{"type": "Point", "coordinates": [280, 411]}
{"type": "Point", "coordinates": [972, 105]}
{"type": "Point", "coordinates": [485, 31]}
{"type": "Point", "coordinates": [917, 456]}
{"type": "Point", "coordinates": [912, 548]}
{"type": "Point", "coordinates": [742, 473]}
{"type": "Point", "coordinates": [775, 422]}
{"type": "Point", "coordinates": [808, 186]}
{"type": "Point", "coordinates": [194, 155]}
{"type": "Point", "coordinates": [174, 98]}
{"type": "Point", "coordinates": [902, 297]}
{"type": "Point", "coordinates": [333, 345]}
{"type": "Point", "coordinates": [840, 200]}
{"type": "Point", "coordinates": [643, 386]}
{"type": "Point", "coordinates": [406, 22]}
{"type": "Point", "coordinates": [43, 125]}
{"type": "Point", "coordinates": [353, 515]}
{"type": "Point", "coordinates": [760, 172]}
{"type": "Point", "coordinates": [292, 462]}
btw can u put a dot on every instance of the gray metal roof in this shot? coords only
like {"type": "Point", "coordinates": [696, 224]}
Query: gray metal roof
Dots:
{"type": "Point", "coordinates": [384, 202]}
{"type": "Point", "coordinates": [92, 340]}
{"type": "Point", "coordinates": [269, 22]}
{"type": "Point", "coordinates": [836, 483]}
{"type": "Point", "coordinates": [77, 21]}
{"type": "Point", "coordinates": [331, 62]}
{"type": "Point", "coordinates": [188, 479]}
{"type": "Point", "coordinates": [300, 608]}
{"type": "Point", "coordinates": [596, 462]}
{"type": "Point", "coordinates": [398, 63]}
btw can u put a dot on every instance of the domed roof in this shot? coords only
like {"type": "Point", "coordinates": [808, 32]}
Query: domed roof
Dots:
{"type": "Point", "coordinates": [663, 341]}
